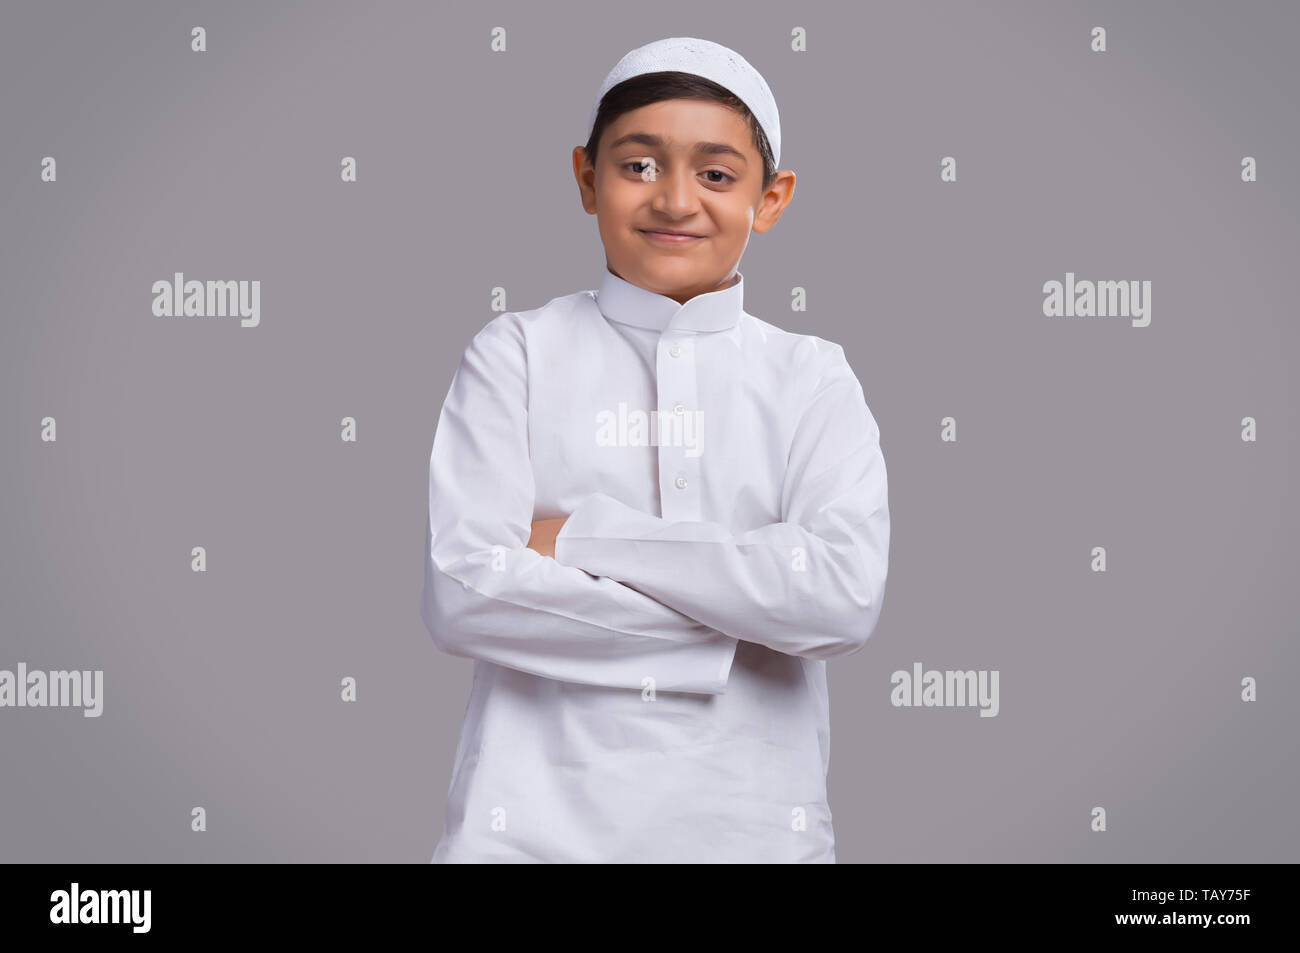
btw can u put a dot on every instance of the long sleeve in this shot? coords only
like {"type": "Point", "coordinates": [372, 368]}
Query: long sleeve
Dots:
{"type": "Point", "coordinates": [811, 585]}
{"type": "Point", "coordinates": [488, 596]}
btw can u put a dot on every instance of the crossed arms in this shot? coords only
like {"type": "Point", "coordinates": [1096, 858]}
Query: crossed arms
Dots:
{"type": "Point", "coordinates": [609, 595]}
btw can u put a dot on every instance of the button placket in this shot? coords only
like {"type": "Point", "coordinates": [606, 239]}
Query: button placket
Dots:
{"type": "Point", "coordinates": [679, 472]}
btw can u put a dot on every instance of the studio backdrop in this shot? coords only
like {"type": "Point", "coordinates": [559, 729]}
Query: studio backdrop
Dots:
{"type": "Point", "coordinates": [1057, 242]}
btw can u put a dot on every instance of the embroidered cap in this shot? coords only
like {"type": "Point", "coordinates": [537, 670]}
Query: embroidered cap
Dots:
{"type": "Point", "coordinates": [704, 58]}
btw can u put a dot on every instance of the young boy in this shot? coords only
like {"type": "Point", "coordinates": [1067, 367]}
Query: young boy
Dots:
{"type": "Point", "coordinates": [653, 516]}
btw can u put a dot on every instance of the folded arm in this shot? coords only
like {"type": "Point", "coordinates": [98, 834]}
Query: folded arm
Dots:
{"type": "Point", "coordinates": [488, 596]}
{"type": "Point", "coordinates": [810, 585]}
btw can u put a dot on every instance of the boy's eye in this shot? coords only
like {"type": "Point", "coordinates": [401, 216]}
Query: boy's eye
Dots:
{"type": "Point", "coordinates": [641, 166]}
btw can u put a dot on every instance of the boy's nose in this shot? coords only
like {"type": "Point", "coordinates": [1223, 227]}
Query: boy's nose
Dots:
{"type": "Point", "coordinates": [675, 195]}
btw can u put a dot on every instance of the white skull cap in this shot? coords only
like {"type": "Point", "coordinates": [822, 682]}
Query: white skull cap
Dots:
{"type": "Point", "coordinates": [704, 58]}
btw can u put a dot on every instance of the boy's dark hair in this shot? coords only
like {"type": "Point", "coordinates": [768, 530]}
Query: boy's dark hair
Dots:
{"type": "Point", "coordinates": [670, 84]}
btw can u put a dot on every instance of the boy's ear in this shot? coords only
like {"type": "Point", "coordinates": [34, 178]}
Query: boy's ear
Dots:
{"type": "Point", "coordinates": [774, 201]}
{"type": "Point", "coordinates": [585, 175]}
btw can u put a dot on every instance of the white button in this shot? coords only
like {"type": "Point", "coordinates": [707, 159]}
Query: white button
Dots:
{"type": "Point", "coordinates": [680, 483]}
{"type": "Point", "coordinates": [675, 351]}
{"type": "Point", "coordinates": [679, 409]}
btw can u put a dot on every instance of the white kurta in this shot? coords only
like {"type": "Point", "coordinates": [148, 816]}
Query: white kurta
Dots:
{"type": "Point", "coordinates": [657, 691]}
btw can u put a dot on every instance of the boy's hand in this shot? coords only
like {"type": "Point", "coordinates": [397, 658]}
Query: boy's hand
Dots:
{"type": "Point", "coordinates": [543, 537]}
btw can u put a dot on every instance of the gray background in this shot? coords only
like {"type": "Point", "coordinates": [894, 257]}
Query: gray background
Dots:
{"type": "Point", "coordinates": [222, 688]}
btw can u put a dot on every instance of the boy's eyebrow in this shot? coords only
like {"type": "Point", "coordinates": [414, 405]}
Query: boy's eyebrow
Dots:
{"type": "Point", "coordinates": [707, 148]}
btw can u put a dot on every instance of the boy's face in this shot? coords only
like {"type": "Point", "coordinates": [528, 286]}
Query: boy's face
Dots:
{"type": "Point", "coordinates": [687, 166]}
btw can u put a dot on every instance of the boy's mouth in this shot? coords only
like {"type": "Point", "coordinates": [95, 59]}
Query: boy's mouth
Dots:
{"type": "Point", "coordinates": [669, 238]}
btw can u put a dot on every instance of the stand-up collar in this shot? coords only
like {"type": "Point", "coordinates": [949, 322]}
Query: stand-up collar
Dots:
{"type": "Point", "coordinates": [621, 301]}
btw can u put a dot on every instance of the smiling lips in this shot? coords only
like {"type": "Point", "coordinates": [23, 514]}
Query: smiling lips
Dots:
{"type": "Point", "coordinates": [668, 238]}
